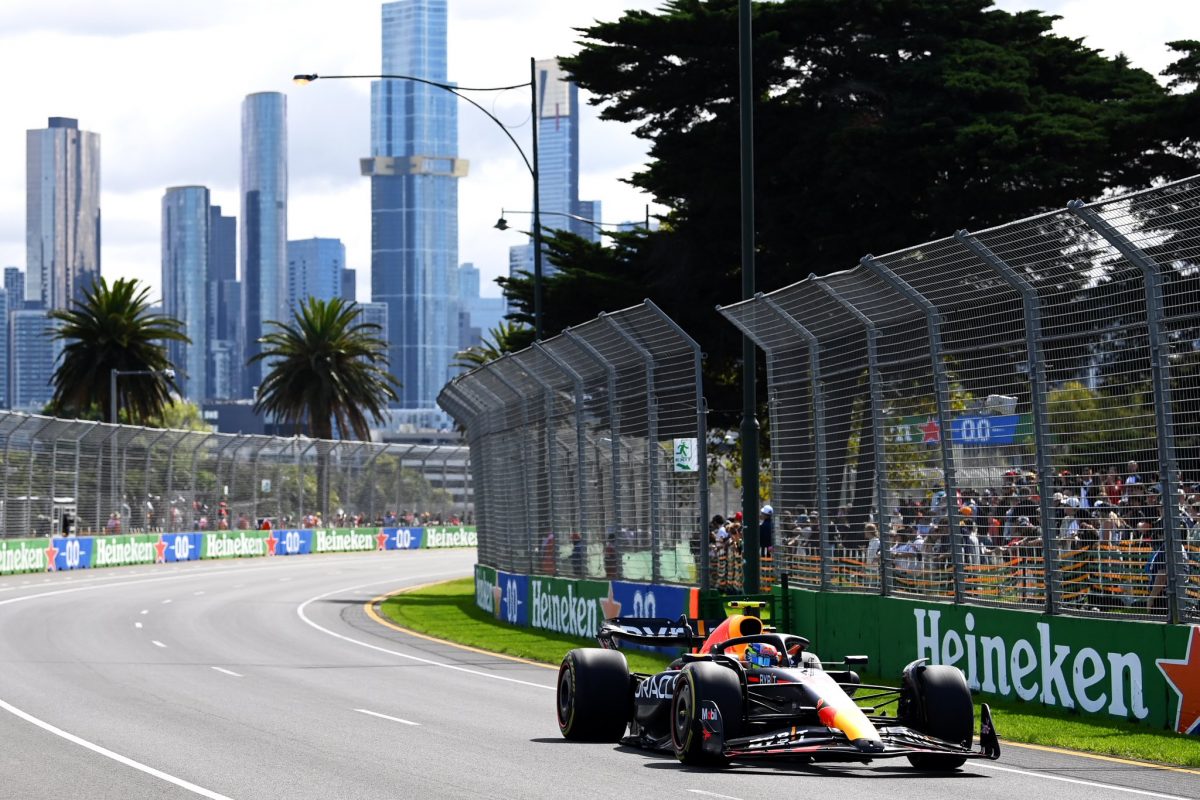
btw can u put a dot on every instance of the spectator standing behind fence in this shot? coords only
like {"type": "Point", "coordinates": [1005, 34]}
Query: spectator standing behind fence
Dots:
{"type": "Point", "coordinates": [113, 526]}
{"type": "Point", "coordinates": [766, 530]}
{"type": "Point", "coordinates": [872, 554]}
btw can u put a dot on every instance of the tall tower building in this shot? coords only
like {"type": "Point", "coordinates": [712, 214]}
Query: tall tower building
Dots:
{"type": "Point", "coordinates": [62, 212]}
{"type": "Point", "coordinates": [264, 222]}
{"type": "Point", "coordinates": [14, 285]}
{"type": "Point", "coordinates": [414, 169]}
{"type": "Point", "coordinates": [558, 164]}
{"type": "Point", "coordinates": [185, 240]}
{"type": "Point", "coordinates": [314, 269]}
{"type": "Point", "coordinates": [33, 351]}
{"type": "Point", "coordinates": [224, 308]}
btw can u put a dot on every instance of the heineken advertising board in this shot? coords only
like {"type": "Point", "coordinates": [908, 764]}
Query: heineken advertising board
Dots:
{"type": "Point", "coordinates": [88, 552]}
{"type": "Point", "coordinates": [461, 536]}
{"type": "Point", "coordinates": [574, 607]}
{"type": "Point", "coordinates": [1146, 672]}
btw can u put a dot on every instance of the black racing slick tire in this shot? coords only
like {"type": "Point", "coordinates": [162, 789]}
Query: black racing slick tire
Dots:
{"type": "Point", "coordinates": [700, 682]}
{"type": "Point", "coordinates": [946, 712]}
{"type": "Point", "coordinates": [595, 700]}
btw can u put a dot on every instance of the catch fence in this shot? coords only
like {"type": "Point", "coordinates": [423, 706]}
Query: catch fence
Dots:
{"type": "Point", "coordinates": [88, 477]}
{"type": "Point", "coordinates": [588, 452]}
{"type": "Point", "coordinates": [1005, 417]}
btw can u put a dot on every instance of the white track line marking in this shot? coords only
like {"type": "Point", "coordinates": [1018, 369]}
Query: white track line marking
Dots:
{"type": "Point", "coordinates": [385, 716]}
{"type": "Point", "coordinates": [137, 624]}
{"type": "Point", "coordinates": [1078, 782]}
{"type": "Point", "coordinates": [157, 643]}
{"type": "Point", "coordinates": [197, 594]}
{"type": "Point", "coordinates": [120, 759]}
{"type": "Point", "coordinates": [492, 676]}
{"type": "Point", "coordinates": [144, 611]}
{"type": "Point", "coordinates": [713, 794]}
{"type": "Point", "coordinates": [227, 671]}
{"type": "Point", "coordinates": [164, 602]}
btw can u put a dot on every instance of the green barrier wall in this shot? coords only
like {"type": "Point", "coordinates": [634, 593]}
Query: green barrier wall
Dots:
{"type": "Point", "coordinates": [1146, 672]}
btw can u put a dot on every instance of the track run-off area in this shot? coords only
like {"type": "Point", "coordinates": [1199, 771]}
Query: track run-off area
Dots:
{"type": "Point", "coordinates": [272, 678]}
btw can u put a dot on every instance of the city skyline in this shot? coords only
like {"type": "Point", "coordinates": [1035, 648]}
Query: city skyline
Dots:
{"type": "Point", "coordinates": [192, 137]}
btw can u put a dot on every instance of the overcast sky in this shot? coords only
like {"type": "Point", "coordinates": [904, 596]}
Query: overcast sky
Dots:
{"type": "Point", "coordinates": [162, 83]}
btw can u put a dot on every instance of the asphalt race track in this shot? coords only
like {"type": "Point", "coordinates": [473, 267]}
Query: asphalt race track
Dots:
{"type": "Point", "coordinates": [267, 678]}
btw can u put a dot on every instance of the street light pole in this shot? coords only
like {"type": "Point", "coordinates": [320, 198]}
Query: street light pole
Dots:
{"type": "Point", "coordinates": [532, 166]}
{"type": "Point", "coordinates": [749, 365]}
{"type": "Point", "coordinates": [537, 205]}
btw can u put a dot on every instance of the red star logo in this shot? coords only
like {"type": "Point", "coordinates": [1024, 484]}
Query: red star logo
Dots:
{"type": "Point", "coordinates": [271, 542]}
{"type": "Point", "coordinates": [51, 554]}
{"type": "Point", "coordinates": [930, 431]}
{"type": "Point", "coordinates": [381, 540]}
{"type": "Point", "coordinates": [160, 550]}
{"type": "Point", "coordinates": [1184, 677]}
{"type": "Point", "coordinates": [609, 605]}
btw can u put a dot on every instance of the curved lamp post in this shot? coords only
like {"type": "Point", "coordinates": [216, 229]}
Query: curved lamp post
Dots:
{"type": "Point", "coordinates": [530, 164]}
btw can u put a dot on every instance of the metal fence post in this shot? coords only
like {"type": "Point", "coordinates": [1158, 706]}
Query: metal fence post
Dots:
{"type": "Point", "coordinates": [613, 421]}
{"type": "Point", "coordinates": [532, 535]}
{"type": "Point", "coordinates": [651, 446]}
{"type": "Point", "coordinates": [1160, 377]}
{"type": "Point", "coordinates": [1038, 393]}
{"type": "Point", "coordinates": [942, 399]}
{"type": "Point", "coordinates": [580, 432]}
{"type": "Point", "coordinates": [818, 401]}
{"type": "Point", "coordinates": [875, 382]}
{"type": "Point", "coordinates": [701, 441]}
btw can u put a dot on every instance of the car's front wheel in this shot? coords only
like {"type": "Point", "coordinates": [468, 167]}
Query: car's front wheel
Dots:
{"type": "Point", "coordinates": [700, 684]}
{"type": "Point", "coordinates": [594, 698]}
{"type": "Point", "coordinates": [943, 710]}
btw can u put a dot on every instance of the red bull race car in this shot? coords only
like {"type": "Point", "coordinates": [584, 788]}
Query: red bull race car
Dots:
{"type": "Point", "coordinates": [746, 691]}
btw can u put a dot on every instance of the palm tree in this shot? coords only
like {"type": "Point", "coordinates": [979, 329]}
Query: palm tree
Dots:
{"type": "Point", "coordinates": [113, 328]}
{"type": "Point", "coordinates": [326, 365]}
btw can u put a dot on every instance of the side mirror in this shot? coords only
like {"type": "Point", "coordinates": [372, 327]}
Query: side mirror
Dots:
{"type": "Point", "coordinates": [852, 661]}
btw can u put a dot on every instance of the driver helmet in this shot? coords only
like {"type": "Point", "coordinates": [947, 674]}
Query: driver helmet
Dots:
{"type": "Point", "coordinates": [761, 654]}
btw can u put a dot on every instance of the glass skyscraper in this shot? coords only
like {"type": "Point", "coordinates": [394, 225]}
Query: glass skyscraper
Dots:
{"type": "Point", "coordinates": [558, 164]}
{"type": "Point", "coordinates": [33, 351]}
{"type": "Point", "coordinates": [185, 243]}
{"type": "Point", "coordinates": [314, 269]}
{"type": "Point", "coordinates": [62, 212]}
{"type": "Point", "coordinates": [264, 222]}
{"type": "Point", "coordinates": [224, 307]}
{"type": "Point", "coordinates": [414, 170]}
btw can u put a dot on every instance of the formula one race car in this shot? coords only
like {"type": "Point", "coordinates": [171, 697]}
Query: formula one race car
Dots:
{"type": "Point", "coordinates": [746, 691]}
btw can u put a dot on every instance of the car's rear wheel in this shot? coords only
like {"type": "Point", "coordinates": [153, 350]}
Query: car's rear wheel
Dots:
{"type": "Point", "coordinates": [945, 710]}
{"type": "Point", "coordinates": [700, 682]}
{"type": "Point", "coordinates": [594, 698]}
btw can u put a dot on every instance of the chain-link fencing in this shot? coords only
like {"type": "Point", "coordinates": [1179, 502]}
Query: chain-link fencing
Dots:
{"type": "Point", "coordinates": [1004, 417]}
{"type": "Point", "coordinates": [88, 477]}
{"type": "Point", "coordinates": [588, 452]}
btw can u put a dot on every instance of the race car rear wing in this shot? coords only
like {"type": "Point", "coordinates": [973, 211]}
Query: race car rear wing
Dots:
{"type": "Point", "coordinates": [653, 631]}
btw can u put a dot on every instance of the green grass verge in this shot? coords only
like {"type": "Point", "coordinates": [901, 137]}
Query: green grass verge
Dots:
{"type": "Point", "coordinates": [448, 611]}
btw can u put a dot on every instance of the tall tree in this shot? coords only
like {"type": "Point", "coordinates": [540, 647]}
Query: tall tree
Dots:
{"type": "Point", "coordinates": [113, 328]}
{"type": "Point", "coordinates": [878, 124]}
{"type": "Point", "coordinates": [326, 365]}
